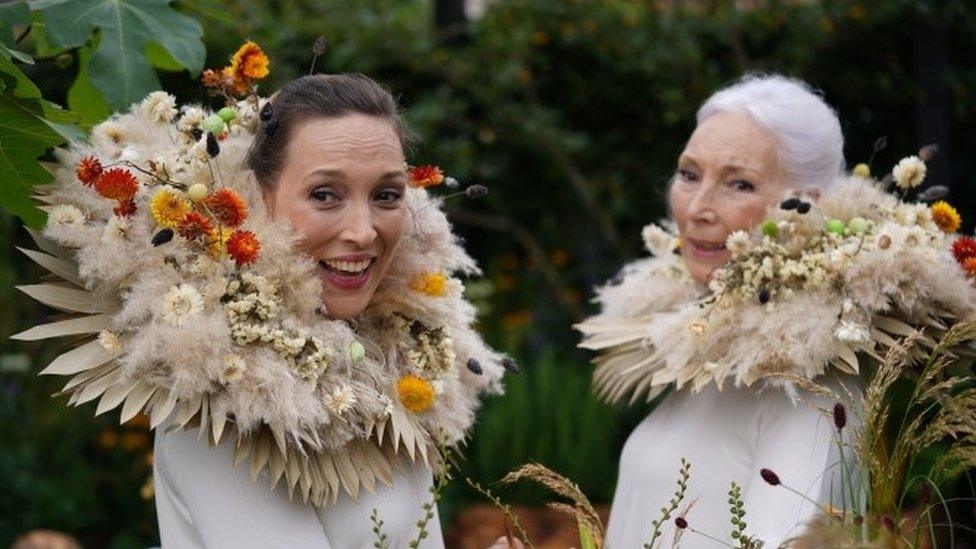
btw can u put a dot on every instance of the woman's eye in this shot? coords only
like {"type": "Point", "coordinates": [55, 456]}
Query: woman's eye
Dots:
{"type": "Point", "coordinates": [388, 197]}
{"type": "Point", "coordinates": [688, 175]}
{"type": "Point", "coordinates": [324, 194]}
{"type": "Point", "coordinates": [743, 185]}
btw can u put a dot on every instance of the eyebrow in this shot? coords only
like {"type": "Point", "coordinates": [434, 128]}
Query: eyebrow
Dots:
{"type": "Point", "coordinates": [732, 167]}
{"type": "Point", "coordinates": [392, 174]}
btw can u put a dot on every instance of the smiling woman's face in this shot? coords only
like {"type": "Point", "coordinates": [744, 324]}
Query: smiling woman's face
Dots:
{"type": "Point", "coordinates": [342, 186]}
{"type": "Point", "coordinates": [728, 175]}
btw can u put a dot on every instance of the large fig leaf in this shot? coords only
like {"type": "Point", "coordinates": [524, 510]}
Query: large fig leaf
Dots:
{"type": "Point", "coordinates": [119, 67]}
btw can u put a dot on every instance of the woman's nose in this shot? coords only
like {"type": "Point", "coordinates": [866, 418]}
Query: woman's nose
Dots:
{"type": "Point", "coordinates": [358, 226]}
{"type": "Point", "coordinates": [701, 207]}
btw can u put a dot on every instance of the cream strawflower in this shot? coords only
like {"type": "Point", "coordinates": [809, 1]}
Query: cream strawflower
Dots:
{"type": "Point", "coordinates": [233, 368]}
{"type": "Point", "coordinates": [737, 243]}
{"type": "Point", "coordinates": [180, 303]}
{"type": "Point", "coordinates": [909, 173]}
{"type": "Point", "coordinates": [66, 214]}
{"type": "Point", "coordinates": [342, 399]}
{"type": "Point", "coordinates": [159, 106]}
{"type": "Point", "coordinates": [657, 240]}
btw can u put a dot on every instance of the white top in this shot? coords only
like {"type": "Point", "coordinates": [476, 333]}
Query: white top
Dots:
{"type": "Point", "coordinates": [727, 436]}
{"type": "Point", "coordinates": [203, 500]}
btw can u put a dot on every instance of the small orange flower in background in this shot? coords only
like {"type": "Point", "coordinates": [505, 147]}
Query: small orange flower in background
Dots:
{"type": "Point", "coordinates": [426, 176]}
{"type": "Point", "coordinates": [243, 247]}
{"type": "Point", "coordinates": [946, 217]}
{"type": "Point", "coordinates": [249, 63]}
{"type": "Point", "coordinates": [88, 170]}
{"type": "Point", "coordinates": [432, 284]}
{"type": "Point", "coordinates": [227, 206]}
{"type": "Point", "coordinates": [416, 393]}
{"type": "Point", "coordinates": [168, 207]}
{"type": "Point", "coordinates": [194, 225]}
{"type": "Point", "coordinates": [969, 265]}
{"type": "Point", "coordinates": [117, 184]}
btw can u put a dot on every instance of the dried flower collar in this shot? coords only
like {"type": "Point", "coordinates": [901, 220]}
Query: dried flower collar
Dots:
{"type": "Point", "coordinates": [830, 283]}
{"type": "Point", "coordinates": [199, 311]}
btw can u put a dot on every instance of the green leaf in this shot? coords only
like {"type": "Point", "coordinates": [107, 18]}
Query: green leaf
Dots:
{"type": "Point", "coordinates": [17, 54]}
{"type": "Point", "coordinates": [29, 125]}
{"type": "Point", "coordinates": [119, 68]}
{"type": "Point", "coordinates": [160, 58]}
{"type": "Point", "coordinates": [12, 15]}
{"type": "Point", "coordinates": [83, 98]}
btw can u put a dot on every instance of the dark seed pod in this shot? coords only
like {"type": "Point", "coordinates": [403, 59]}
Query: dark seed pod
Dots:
{"type": "Point", "coordinates": [803, 208]}
{"type": "Point", "coordinates": [475, 366]}
{"type": "Point", "coordinates": [266, 112]}
{"type": "Point", "coordinates": [790, 203]}
{"type": "Point", "coordinates": [476, 191]}
{"type": "Point", "coordinates": [770, 477]}
{"type": "Point", "coordinates": [763, 296]}
{"type": "Point", "coordinates": [213, 148]}
{"type": "Point", "coordinates": [197, 134]}
{"type": "Point", "coordinates": [840, 416]}
{"type": "Point", "coordinates": [510, 365]}
{"type": "Point", "coordinates": [881, 143]}
{"type": "Point", "coordinates": [318, 47]}
{"type": "Point", "coordinates": [681, 523]}
{"type": "Point", "coordinates": [162, 237]}
{"type": "Point", "coordinates": [932, 194]}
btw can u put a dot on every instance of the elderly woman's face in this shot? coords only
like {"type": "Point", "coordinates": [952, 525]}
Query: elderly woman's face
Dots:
{"type": "Point", "coordinates": [342, 186]}
{"type": "Point", "coordinates": [728, 175]}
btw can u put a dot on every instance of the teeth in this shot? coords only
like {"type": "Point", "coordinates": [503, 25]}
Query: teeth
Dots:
{"type": "Point", "coordinates": [348, 266]}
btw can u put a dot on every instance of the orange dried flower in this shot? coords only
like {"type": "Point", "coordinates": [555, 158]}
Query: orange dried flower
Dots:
{"type": "Point", "coordinates": [88, 170]}
{"type": "Point", "coordinates": [969, 265]}
{"type": "Point", "coordinates": [117, 184]}
{"type": "Point", "coordinates": [227, 206]}
{"type": "Point", "coordinates": [945, 216]}
{"type": "Point", "coordinates": [249, 63]}
{"type": "Point", "coordinates": [426, 176]}
{"type": "Point", "coordinates": [213, 79]}
{"type": "Point", "coordinates": [125, 208]}
{"type": "Point", "coordinates": [194, 225]}
{"type": "Point", "coordinates": [244, 247]}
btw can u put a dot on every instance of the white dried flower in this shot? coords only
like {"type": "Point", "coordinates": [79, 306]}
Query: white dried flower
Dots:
{"type": "Point", "coordinates": [180, 303]}
{"type": "Point", "coordinates": [387, 404]}
{"type": "Point", "coordinates": [341, 400]}
{"type": "Point", "coordinates": [657, 240]}
{"type": "Point", "coordinates": [233, 368]}
{"type": "Point", "coordinates": [852, 332]}
{"type": "Point", "coordinates": [128, 154]}
{"type": "Point", "coordinates": [110, 341]}
{"type": "Point", "coordinates": [66, 215]}
{"type": "Point", "coordinates": [909, 173]}
{"type": "Point", "coordinates": [737, 243]}
{"type": "Point", "coordinates": [438, 386]}
{"type": "Point", "coordinates": [116, 229]}
{"type": "Point", "coordinates": [192, 117]}
{"type": "Point", "coordinates": [698, 326]}
{"type": "Point", "coordinates": [109, 131]}
{"type": "Point", "coordinates": [159, 106]}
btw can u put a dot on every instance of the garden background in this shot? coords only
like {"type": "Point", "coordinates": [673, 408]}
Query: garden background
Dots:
{"type": "Point", "coordinates": [571, 111]}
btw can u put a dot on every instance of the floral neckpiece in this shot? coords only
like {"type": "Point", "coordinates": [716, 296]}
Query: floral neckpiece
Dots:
{"type": "Point", "coordinates": [819, 284]}
{"type": "Point", "coordinates": [195, 308]}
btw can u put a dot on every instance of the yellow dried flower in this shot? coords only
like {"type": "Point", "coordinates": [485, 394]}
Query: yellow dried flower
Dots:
{"type": "Point", "coordinates": [946, 217]}
{"type": "Point", "coordinates": [862, 170]}
{"type": "Point", "coordinates": [218, 242]}
{"type": "Point", "coordinates": [168, 207]}
{"type": "Point", "coordinates": [416, 394]}
{"type": "Point", "coordinates": [432, 284]}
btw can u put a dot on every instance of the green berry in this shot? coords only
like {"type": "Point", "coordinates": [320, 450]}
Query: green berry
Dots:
{"type": "Point", "coordinates": [770, 228]}
{"type": "Point", "coordinates": [227, 114]}
{"type": "Point", "coordinates": [835, 226]}
{"type": "Point", "coordinates": [213, 124]}
{"type": "Point", "coordinates": [857, 225]}
{"type": "Point", "coordinates": [356, 352]}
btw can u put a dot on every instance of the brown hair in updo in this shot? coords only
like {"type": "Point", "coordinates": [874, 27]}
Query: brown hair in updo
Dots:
{"type": "Point", "coordinates": [319, 95]}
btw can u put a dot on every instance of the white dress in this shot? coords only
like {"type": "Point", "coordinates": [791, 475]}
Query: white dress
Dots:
{"type": "Point", "coordinates": [203, 500]}
{"type": "Point", "coordinates": [727, 436]}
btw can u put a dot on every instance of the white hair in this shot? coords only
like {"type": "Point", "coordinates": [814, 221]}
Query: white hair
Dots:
{"type": "Point", "coordinates": [806, 129]}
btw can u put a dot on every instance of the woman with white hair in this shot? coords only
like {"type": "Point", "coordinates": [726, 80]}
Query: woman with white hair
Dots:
{"type": "Point", "coordinates": [763, 140]}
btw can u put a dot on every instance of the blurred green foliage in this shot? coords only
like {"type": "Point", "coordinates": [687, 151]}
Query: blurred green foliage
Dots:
{"type": "Point", "coordinates": [573, 113]}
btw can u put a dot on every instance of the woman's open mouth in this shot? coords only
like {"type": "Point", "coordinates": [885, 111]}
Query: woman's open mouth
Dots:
{"type": "Point", "coordinates": [347, 275]}
{"type": "Point", "coordinates": [704, 249]}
